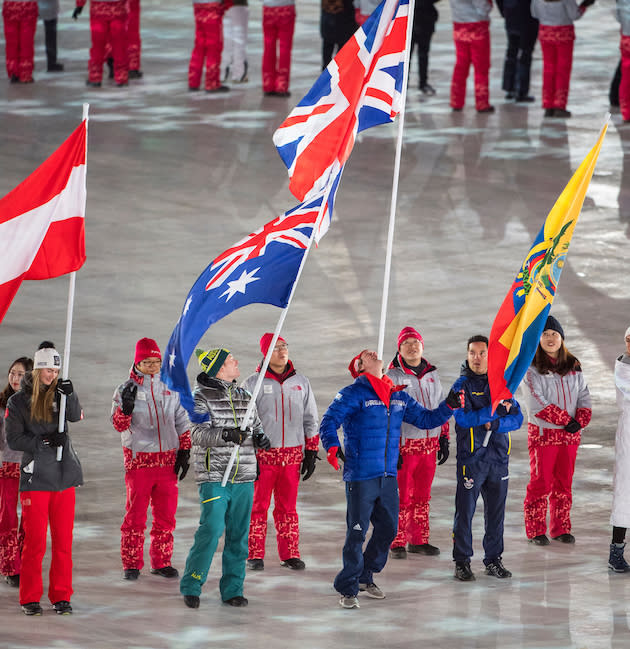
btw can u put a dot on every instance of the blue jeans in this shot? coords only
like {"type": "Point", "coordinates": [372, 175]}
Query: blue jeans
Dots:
{"type": "Point", "coordinates": [368, 501]}
{"type": "Point", "coordinates": [491, 481]}
{"type": "Point", "coordinates": [222, 509]}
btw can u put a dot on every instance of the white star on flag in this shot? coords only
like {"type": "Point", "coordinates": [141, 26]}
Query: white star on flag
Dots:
{"type": "Point", "coordinates": [171, 360]}
{"type": "Point", "coordinates": [239, 285]}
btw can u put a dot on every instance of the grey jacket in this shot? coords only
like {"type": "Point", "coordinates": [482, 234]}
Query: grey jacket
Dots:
{"type": "Point", "coordinates": [287, 410]}
{"type": "Point", "coordinates": [555, 13]}
{"type": "Point", "coordinates": [48, 9]}
{"type": "Point", "coordinates": [226, 404]}
{"type": "Point", "coordinates": [7, 454]}
{"type": "Point", "coordinates": [39, 469]}
{"type": "Point", "coordinates": [623, 16]}
{"type": "Point", "coordinates": [470, 11]}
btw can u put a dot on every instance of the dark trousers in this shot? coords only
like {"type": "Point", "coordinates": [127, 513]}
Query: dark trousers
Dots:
{"type": "Point", "coordinates": [336, 30]}
{"type": "Point", "coordinates": [491, 481]}
{"type": "Point", "coordinates": [613, 93]}
{"type": "Point", "coordinates": [518, 59]}
{"type": "Point", "coordinates": [368, 501]}
{"type": "Point", "coordinates": [50, 29]}
{"type": "Point", "coordinates": [421, 40]}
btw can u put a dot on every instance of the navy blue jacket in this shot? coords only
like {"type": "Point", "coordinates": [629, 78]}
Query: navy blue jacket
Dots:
{"type": "Point", "coordinates": [371, 430]}
{"type": "Point", "coordinates": [470, 420]}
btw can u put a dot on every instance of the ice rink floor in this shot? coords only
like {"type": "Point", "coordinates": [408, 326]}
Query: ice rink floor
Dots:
{"type": "Point", "coordinates": [174, 178]}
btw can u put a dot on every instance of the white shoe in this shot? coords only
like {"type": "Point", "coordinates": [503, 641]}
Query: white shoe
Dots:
{"type": "Point", "coordinates": [349, 601]}
{"type": "Point", "coordinates": [371, 590]}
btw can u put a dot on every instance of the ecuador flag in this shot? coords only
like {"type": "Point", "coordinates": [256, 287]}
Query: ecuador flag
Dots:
{"type": "Point", "coordinates": [520, 321]}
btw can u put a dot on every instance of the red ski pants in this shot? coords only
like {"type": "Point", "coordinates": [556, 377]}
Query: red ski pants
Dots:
{"type": "Point", "coordinates": [40, 509]}
{"type": "Point", "coordinates": [414, 490]}
{"type": "Point", "coordinates": [283, 482]}
{"type": "Point", "coordinates": [133, 35]}
{"type": "Point", "coordinates": [108, 22]}
{"type": "Point", "coordinates": [472, 45]}
{"type": "Point", "coordinates": [624, 86]}
{"type": "Point", "coordinates": [155, 486]}
{"type": "Point", "coordinates": [551, 477]}
{"type": "Point", "coordinates": [278, 27]}
{"type": "Point", "coordinates": [208, 45]}
{"type": "Point", "coordinates": [20, 23]}
{"type": "Point", "coordinates": [11, 532]}
{"type": "Point", "coordinates": [556, 43]}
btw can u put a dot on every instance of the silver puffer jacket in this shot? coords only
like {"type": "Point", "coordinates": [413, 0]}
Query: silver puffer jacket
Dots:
{"type": "Point", "coordinates": [226, 404]}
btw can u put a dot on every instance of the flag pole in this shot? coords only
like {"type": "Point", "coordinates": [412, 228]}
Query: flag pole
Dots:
{"type": "Point", "coordinates": [265, 364]}
{"type": "Point", "coordinates": [394, 199]}
{"type": "Point", "coordinates": [69, 312]}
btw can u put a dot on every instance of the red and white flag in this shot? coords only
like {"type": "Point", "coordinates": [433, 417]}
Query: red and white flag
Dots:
{"type": "Point", "coordinates": [42, 221]}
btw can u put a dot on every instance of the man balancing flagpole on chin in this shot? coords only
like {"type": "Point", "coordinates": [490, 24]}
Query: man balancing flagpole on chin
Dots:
{"type": "Point", "coordinates": [371, 411]}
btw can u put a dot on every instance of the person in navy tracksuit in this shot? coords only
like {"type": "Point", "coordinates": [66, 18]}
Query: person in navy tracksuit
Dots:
{"type": "Point", "coordinates": [483, 449]}
{"type": "Point", "coordinates": [371, 411]}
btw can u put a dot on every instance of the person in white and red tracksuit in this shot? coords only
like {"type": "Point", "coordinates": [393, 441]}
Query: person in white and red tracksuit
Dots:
{"type": "Point", "coordinates": [155, 432]}
{"type": "Point", "coordinates": [420, 449]}
{"type": "Point", "coordinates": [558, 407]}
{"type": "Point", "coordinates": [20, 24]}
{"type": "Point", "coordinates": [471, 33]}
{"type": "Point", "coordinates": [287, 410]}
{"type": "Point", "coordinates": [208, 45]}
{"type": "Point", "coordinates": [278, 27]}
{"type": "Point", "coordinates": [49, 472]}
{"type": "Point", "coordinates": [11, 530]}
{"type": "Point", "coordinates": [108, 23]}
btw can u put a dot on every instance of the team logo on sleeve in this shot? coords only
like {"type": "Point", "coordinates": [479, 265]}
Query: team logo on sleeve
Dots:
{"type": "Point", "coordinates": [469, 483]}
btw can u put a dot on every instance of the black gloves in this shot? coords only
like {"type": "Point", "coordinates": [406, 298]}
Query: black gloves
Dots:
{"type": "Point", "coordinates": [55, 439]}
{"type": "Point", "coordinates": [235, 435]}
{"type": "Point", "coordinates": [443, 452]}
{"type": "Point", "coordinates": [400, 461]}
{"type": "Point", "coordinates": [182, 463]}
{"type": "Point", "coordinates": [64, 386]}
{"type": "Point", "coordinates": [308, 464]}
{"type": "Point", "coordinates": [77, 12]}
{"type": "Point", "coordinates": [501, 410]}
{"type": "Point", "coordinates": [573, 426]}
{"type": "Point", "coordinates": [128, 397]}
{"type": "Point", "coordinates": [262, 441]}
{"type": "Point", "coordinates": [454, 399]}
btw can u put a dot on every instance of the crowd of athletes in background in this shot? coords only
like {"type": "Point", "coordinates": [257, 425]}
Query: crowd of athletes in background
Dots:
{"type": "Point", "coordinates": [221, 33]}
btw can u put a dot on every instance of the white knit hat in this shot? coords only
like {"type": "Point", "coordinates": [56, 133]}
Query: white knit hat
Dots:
{"type": "Point", "coordinates": [47, 358]}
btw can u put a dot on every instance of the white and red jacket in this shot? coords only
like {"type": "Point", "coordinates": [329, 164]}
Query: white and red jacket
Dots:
{"type": "Point", "coordinates": [286, 407]}
{"type": "Point", "coordinates": [553, 400]}
{"type": "Point", "coordinates": [426, 388]}
{"type": "Point", "coordinates": [158, 426]}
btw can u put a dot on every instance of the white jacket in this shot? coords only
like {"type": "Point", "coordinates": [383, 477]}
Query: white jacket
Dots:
{"type": "Point", "coordinates": [620, 516]}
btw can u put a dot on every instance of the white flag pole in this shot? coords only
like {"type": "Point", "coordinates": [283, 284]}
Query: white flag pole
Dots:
{"type": "Point", "coordinates": [392, 213]}
{"type": "Point", "coordinates": [263, 369]}
{"type": "Point", "coordinates": [66, 347]}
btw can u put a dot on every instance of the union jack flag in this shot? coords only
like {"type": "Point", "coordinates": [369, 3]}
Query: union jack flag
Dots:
{"type": "Point", "coordinates": [261, 268]}
{"type": "Point", "coordinates": [360, 88]}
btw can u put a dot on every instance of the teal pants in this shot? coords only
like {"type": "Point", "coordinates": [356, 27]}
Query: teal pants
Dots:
{"type": "Point", "coordinates": [223, 509]}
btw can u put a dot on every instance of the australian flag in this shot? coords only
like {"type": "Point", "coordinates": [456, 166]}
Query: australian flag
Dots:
{"type": "Point", "coordinates": [360, 88]}
{"type": "Point", "coordinates": [262, 268]}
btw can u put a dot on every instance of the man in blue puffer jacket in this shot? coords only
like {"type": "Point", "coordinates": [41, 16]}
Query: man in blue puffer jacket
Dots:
{"type": "Point", "coordinates": [371, 411]}
{"type": "Point", "coordinates": [483, 450]}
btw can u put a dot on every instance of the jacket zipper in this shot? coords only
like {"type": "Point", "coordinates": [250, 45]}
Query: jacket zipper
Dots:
{"type": "Point", "coordinates": [386, 441]}
{"type": "Point", "coordinates": [157, 415]}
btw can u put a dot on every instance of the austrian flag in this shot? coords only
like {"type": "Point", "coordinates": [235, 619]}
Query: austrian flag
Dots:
{"type": "Point", "coordinates": [42, 221]}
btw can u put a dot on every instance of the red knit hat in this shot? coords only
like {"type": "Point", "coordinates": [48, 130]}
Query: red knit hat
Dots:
{"type": "Point", "coordinates": [146, 347]}
{"type": "Point", "coordinates": [353, 367]}
{"type": "Point", "coordinates": [409, 332]}
{"type": "Point", "coordinates": [265, 341]}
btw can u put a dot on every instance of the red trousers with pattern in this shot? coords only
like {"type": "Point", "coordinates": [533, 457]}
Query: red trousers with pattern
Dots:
{"type": "Point", "coordinates": [282, 481]}
{"type": "Point", "coordinates": [415, 478]}
{"type": "Point", "coordinates": [556, 43]}
{"type": "Point", "coordinates": [472, 45]}
{"type": "Point", "coordinates": [133, 35]}
{"type": "Point", "coordinates": [20, 23]}
{"type": "Point", "coordinates": [155, 486]}
{"type": "Point", "coordinates": [39, 510]}
{"type": "Point", "coordinates": [278, 27]}
{"type": "Point", "coordinates": [208, 45]}
{"type": "Point", "coordinates": [624, 86]}
{"type": "Point", "coordinates": [552, 462]}
{"type": "Point", "coordinates": [11, 530]}
{"type": "Point", "coordinates": [108, 22]}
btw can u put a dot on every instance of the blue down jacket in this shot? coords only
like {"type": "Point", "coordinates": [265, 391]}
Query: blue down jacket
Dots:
{"type": "Point", "coordinates": [371, 430]}
{"type": "Point", "coordinates": [471, 419]}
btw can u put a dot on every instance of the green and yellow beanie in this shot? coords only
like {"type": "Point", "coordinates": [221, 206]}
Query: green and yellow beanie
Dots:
{"type": "Point", "coordinates": [212, 360]}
